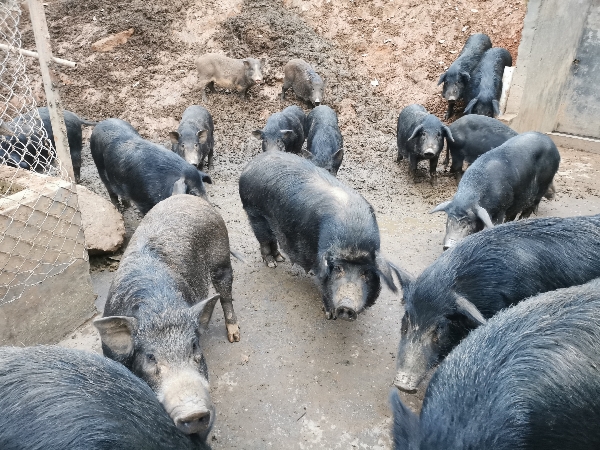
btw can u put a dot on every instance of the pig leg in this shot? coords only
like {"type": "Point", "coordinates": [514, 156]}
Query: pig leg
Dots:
{"type": "Point", "coordinates": [549, 195]}
{"type": "Point", "coordinates": [447, 160]}
{"type": "Point", "coordinates": [285, 87]}
{"type": "Point", "coordinates": [265, 237]}
{"type": "Point", "coordinates": [433, 162]}
{"type": "Point", "coordinates": [113, 197]}
{"type": "Point", "coordinates": [222, 279]}
{"type": "Point", "coordinates": [412, 167]}
{"type": "Point", "coordinates": [450, 110]}
{"type": "Point", "coordinates": [210, 160]}
{"type": "Point", "coordinates": [275, 252]}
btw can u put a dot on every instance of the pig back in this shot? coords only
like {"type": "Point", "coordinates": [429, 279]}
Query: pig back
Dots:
{"type": "Point", "coordinates": [188, 235]}
{"type": "Point", "coordinates": [307, 208]}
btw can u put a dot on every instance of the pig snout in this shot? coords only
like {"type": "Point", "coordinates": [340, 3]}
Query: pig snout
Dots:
{"type": "Point", "coordinates": [197, 422]}
{"type": "Point", "coordinates": [428, 153]}
{"type": "Point", "coordinates": [185, 396]}
{"type": "Point", "coordinates": [406, 382]}
{"type": "Point", "coordinates": [346, 313]}
{"type": "Point", "coordinates": [448, 243]}
{"type": "Point", "coordinates": [452, 98]}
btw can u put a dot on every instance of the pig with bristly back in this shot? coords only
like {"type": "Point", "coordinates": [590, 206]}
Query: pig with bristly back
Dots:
{"type": "Point", "coordinates": [483, 274]}
{"type": "Point", "coordinates": [420, 136]}
{"type": "Point", "coordinates": [473, 135]}
{"type": "Point", "coordinates": [304, 81]}
{"type": "Point", "coordinates": [324, 140]}
{"type": "Point", "coordinates": [323, 225]}
{"type": "Point", "coordinates": [157, 308]}
{"type": "Point", "coordinates": [501, 184]}
{"type": "Point", "coordinates": [55, 398]}
{"type": "Point", "coordinates": [527, 380]}
{"type": "Point", "coordinates": [485, 87]}
{"type": "Point", "coordinates": [457, 78]}
{"type": "Point", "coordinates": [228, 73]}
{"type": "Point", "coordinates": [139, 171]}
{"type": "Point", "coordinates": [194, 139]}
{"type": "Point", "coordinates": [283, 131]}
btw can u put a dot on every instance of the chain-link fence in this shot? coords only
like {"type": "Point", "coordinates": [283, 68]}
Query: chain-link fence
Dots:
{"type": "Point", "coordinates": [41, 232]}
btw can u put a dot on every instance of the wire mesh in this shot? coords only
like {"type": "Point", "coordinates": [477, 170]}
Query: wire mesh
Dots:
{"type": "Point", "coordinates": [41, 232]}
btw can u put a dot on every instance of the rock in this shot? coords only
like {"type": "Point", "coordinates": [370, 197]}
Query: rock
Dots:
{"type": "Point", "coordinates": [110, 42]}
{"type": "Point", "coordinates": [103, 225]}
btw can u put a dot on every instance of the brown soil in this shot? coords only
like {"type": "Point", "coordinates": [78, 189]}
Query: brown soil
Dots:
{"type": "Point", "coordinates": [295, 380]}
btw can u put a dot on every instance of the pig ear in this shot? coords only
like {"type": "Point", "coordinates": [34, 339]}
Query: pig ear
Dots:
{"type": "Point", "coordinates": [448, 133]}
{"type": "Point", "coordinates": [405, 278]}
{"type": "Point", "coordinates": [496, 106]}
{"type": "Point", "coordinates": [384, 269]}
{"type": "Point", "coordinates": [203, 310]}
{"type": "Point", "coordinates": [179, 187]}
{"type": "Point", "coordinates": [470, 106]}
{"type": "Point", "coordinates": [442, 78]}
{"type": "Point", "coordinates": [467, 309]}
{"type": "Point", "coordinates": [338, 157]}
{"type": "Point", "coordinates": [205, 177]}
{"type": "Point", "coordinates": [466, 76]}
{"type": "Point", "coordinates": [415, 132]}
{"type": "Point", "coordinates": [406, 429]}
{"type": "Point", "coordinates": [287, 134]}
{"type": "Point", "coordinates": [203, 136]}
{"type": "Point", "coordinates": [306, 154]}
{"type": "Point", "coordinates": [441, 207]}
{"type": "Point", "coordinates": [484, 216]}
{"type": "Point", "coordinates": [246, 63]}
{"type": "Point", "coordinates": [258, 134]}
{"type": "Point", "coordinates": [116, 333]}
{"type": "Point", "coordinates": [174, 135]}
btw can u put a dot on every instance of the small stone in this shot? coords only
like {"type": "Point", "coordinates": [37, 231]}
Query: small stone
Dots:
{"type": "Point", "coordinates": [442, 41]}
{"type": "Point", "coordinates": [374, 83]}
{"type": "Point", "coordinates": [474, 10]}
{"type": "Point", "coordinates": [465, 28]}
{"type": "Point", "coordinates": [103, 225]}
{"type": "Point", "coordinates": [110, 42]}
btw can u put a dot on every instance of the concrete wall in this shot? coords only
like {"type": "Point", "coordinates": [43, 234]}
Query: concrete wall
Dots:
{"type": "Point", "coordinates": [45, 285]}
{"type": "Point", "coordinates": [552, 32]}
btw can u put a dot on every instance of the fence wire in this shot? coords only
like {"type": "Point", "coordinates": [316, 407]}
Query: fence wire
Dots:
{"type": "Point", "coordinates": [41, 232]}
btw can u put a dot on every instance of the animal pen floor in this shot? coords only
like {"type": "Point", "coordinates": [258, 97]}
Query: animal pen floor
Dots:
{"type": "Point", "coordinates": [295, 380]}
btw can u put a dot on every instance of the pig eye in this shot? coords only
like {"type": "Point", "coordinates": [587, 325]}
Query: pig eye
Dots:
{"type": "Point", "coordinates": [150, 357]}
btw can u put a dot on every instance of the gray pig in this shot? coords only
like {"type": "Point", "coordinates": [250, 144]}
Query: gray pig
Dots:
{"type": "Point", "coordinates": [501, 184]}
{"type": "Point", "coordinates": [304, 81]}
{"type": "Point", "coordinates": [194, 139]}
{"type": "Point", "coordinates": [228, 73]}
{"type": "Point", "coordinates": [154, 314]}
{"type": "Point", "coordinates": [420, 135]}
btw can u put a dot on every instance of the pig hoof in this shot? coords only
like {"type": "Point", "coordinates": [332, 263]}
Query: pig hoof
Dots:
{"type": "Point", "coordinates": [279, 257]}
{"type": "Point", "coordinates": [233, 332]}
{"type": "Point", "coordinates": [328, 315]}
{"type": "Point", "coordinates": [434, 181]}
{"type": "Point", "coordinates": [270, 261]}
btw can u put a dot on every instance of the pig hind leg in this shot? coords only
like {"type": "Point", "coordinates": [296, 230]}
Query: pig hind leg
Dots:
{"type": "Point", "coordinates": [286, 85]}
{"type": "Point", "coordinates": [222, 279]}
{"type": "Point", "coordinates": [266, 238]}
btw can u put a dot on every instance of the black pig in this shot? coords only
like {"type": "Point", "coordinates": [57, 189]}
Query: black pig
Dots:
{"type": "Point", "coordinates": [284, 131]}
{"type": "Point", "coordinates": [154, 314]}
{"type": "Point", "coordinates": [457, 77]}
{"type": "Point", "coordinates": [304, 81]}
{"type": "Point", "coordinates": [324, 141]}
{"type": "Point", "coordinates": [55, 398]}
{"type": "Point", "coordinates": [420, 135]}
{"type": "Point", "coordinates": [194, 140]}
{"type": "Point", "coordinates": [485, 273]}
{"type": "Point", "coordinates": [23, 148]}
{"type": "Point", "coordinates": [527, 380]}
{"type": "Point", "coordinates": [485, 87]}
{"type": "Point", "coordinates": [138, 170]}
{"type": "Point", "coordinates": [501, 184]}
{"type": "Point", "coordinates": [473, 136]}
{"type": "Point", "coordinates": [322, 224]}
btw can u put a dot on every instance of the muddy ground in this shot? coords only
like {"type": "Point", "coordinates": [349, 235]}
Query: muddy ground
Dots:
{"type": "Point", "coordinates": [295, 380]}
